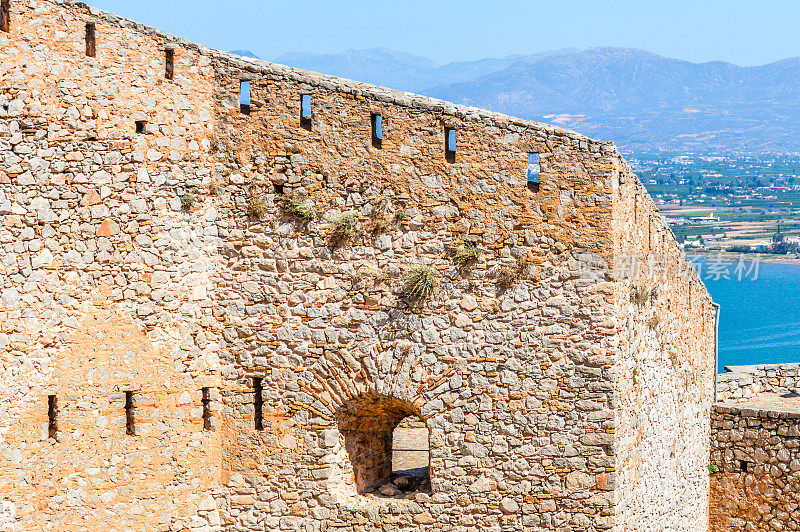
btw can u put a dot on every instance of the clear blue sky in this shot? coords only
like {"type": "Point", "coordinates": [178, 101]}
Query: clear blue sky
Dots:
{"type": "Point", "coordinates": [746, 33]}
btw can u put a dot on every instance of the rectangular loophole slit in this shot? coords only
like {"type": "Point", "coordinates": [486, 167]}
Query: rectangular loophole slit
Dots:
{"type": "Point", "coordinates": [305, 111]}
{"type": "Point", "coordinates": [5, 15]}
{"type": "Point", "coordinates": [141, 125]}
{"type": "Point", "coordinates": [450, 144]}
{"type": "Point", "coordinates": [52, 417]}
{"type": "Point", "coordinates": [244, 97]}
{"type": "Point", "coordinates": [169, 70]}
{"type": "Point", "coordinates": [258, 404]}
{"type": "Point", "coordinates": [206, 409]}
{"type": "Point", "coordinates": [91, 47]}
{"type": "Point", "coordinates": [743, 466]}
{"type": "Point", "coordinates": [377, 130]}
{"type": "Point", "coordinates": [130, 421]}
{"type": "Point", "coordinates": [534, 169]}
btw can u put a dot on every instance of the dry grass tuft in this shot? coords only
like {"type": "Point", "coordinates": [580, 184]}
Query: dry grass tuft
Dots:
{"type": "Point", "coordinates": [298, 206]}
{"type": "Point", "coordinates": [344, 228]}
{"type": "Point", "coordinates": [508, 276]}
{"type": "Point", "coordinates": [421, 283]}
{"type": "Point", "coordinates": [256, 207]}
{"type": "Point", "coordinates": [465, 254]}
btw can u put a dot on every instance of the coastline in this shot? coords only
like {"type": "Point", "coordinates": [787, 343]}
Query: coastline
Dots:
{"type": "Point", "coordinates": [744, 257]}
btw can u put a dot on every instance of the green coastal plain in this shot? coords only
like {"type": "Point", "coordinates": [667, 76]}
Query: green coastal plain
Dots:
{"type": "Point", "coordinates": [728, 203]}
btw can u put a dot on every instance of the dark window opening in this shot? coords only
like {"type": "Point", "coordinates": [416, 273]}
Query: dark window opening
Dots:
{"type": "Point", "coordinates": [305, 111]}
{"type": "Point", "coordinates": [743, 466]}
{"type": "Point", "coordinates": [52, 416]}
{"type": "Point", "coordinates": [258, 403]}
{"type": "Point", "coordinates": [206, 409]}
{"type": "Point", "coordinates": [140, 126]}
{"type": "Point", "coordinates": [5, 15]}
{"type": "Point", "coordinates": [534, 168]}
{"type": "Point", "coordinates": [278, 189]}
{"type": "Point", "coordinates": [388, 445]}
{"type": "Point", "coordinates": [244, 97]}
{"type": "Point", "coordinates": [91, 49]}
{"type": "Point", "coordinates": [377, 130]}
{"type": "Point", "coordinates": [450, 144]}
{"type": "Point", "coordinates": [129, 419]}
{"type": "Point", "coordinates": [169, 70]}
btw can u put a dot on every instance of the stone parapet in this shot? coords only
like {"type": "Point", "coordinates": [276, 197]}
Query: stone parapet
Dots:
{"type": "Point", "coordinates": [252, 68]}
{"type": "Point", "coordinates": [740, 383]}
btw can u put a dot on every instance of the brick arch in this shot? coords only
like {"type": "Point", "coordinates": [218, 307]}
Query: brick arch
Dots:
{"type": "Point", "coordinates": [378, 389]}
{"type": "Point", "coordinates": [394, 371]}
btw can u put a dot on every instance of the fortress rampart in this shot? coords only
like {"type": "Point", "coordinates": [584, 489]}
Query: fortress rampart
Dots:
{"type": "Point", "coordinates": [740, 383]}
{"type": "Point", "coordinates": [754, 452]}
{"type": "Point", "coordinates": [206, 325]}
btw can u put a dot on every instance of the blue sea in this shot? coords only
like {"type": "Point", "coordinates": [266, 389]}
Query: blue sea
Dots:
{"type": "Point", "coordinates": [760, 314]}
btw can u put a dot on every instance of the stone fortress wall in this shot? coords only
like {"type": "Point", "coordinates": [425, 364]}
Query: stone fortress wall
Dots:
{"type": "Point", "coordinates": [754, 453]}
{"type": "Point", "coordinates": [220, 357]}
{"type": "Point", "coordinates": [665, 375]}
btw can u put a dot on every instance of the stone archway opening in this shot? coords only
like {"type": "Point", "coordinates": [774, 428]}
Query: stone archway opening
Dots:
{"type": "Point", "coordinates": [387, 443]}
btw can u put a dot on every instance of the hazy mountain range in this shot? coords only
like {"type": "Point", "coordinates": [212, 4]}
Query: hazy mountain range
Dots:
{"type": "Point", "coordinates": [640, 100]}
{"type": "Point", "coordinates": [245, 53]}
{"type": "Point", "coordinates": [399, 70]}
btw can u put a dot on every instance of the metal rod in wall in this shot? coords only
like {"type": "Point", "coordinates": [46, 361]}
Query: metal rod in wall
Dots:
{"type": "Point", "coordinates": [716, 346]}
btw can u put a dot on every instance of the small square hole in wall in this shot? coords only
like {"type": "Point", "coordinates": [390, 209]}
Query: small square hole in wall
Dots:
{"type": "Point", "coordinates": [743, 466]}
{"type": "Point", "coordinates": [169, 67]}
{"type": "Point", "coordinates": [305, 111]}
{"type": "Point", "coordinates": [5, 15]}
{"type": "Point", "coordinates": [450, 144]}
{"type": "Point", "coordinates": [278, 189]}
{"type": "Point", "coordinates": [91, 48]}
{"type": "Point", "coordinates": [244, 97]}
{"type": "Point", "coordinates": [534, 169]}
{"type": "Point", "coordinates": [141, 126]}
{"type": "Point", "coordinates": [377, 130]}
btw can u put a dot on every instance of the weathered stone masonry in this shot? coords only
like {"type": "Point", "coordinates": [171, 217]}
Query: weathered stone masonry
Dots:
{"type": "Point", "coordinates": [144, 249]}
{"type": "Point", "coordinates": [755, 452]}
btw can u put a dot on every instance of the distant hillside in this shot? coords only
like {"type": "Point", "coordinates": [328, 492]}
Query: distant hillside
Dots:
{"type": "Point", "coordinates": [245, 53]}
{"type": "Point", "coordinates": [381, 66]}
{"type": "Point", "coordinates": [645, 101]}
{"type": "Point", "coordinates": [640, 100]}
